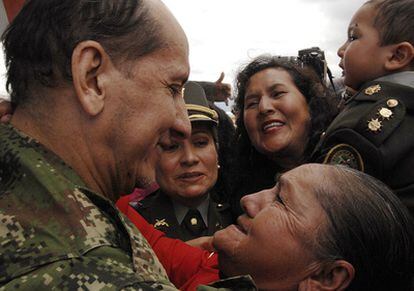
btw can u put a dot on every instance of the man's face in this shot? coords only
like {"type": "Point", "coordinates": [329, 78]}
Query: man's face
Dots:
{"type": "Point", "coordinates": [273, 247]}
{"type": "Point", "coordinates": [146, 103]}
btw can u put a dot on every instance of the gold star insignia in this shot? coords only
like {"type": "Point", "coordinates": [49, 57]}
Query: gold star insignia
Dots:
{"type": "Point", "coordinates": [374, 125]}
{"type": "Point", "coordinates": [385, 113]}
{"type": "Point", "coordinates": [373, 89]}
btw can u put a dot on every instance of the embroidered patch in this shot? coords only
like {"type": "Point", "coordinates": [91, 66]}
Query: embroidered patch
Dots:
{"type": "Point", "coordinates": [371, 90]}
{"type": "Point", "coordinates": [344, 154]}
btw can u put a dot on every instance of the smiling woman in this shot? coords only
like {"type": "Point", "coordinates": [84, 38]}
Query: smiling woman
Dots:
{"type": "Point", "coordinates": [281, 111]}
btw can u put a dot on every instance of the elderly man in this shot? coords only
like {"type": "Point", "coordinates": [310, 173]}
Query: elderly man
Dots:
{"type": "Point", "coordinates": [95, 84]}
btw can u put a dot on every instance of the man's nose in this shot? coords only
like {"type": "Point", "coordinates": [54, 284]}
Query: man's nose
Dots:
{"type": "Point", "coordinates": [182, 125]}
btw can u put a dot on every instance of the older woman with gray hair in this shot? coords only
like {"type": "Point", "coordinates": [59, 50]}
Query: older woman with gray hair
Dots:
{"type": "Point", "coordinates": [321, 228]}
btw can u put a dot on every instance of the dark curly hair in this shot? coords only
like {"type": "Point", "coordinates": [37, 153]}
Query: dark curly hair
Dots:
{"type": "Point", "coordinates": [39, 43]}
{"type": "Point", "coordinates": [252, 170]}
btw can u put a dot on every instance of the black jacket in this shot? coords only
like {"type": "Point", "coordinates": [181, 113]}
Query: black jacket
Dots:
{"type": "Point", "coordinates": [157, 209]}
{"type": "Point", "coordinates": [375, 134]}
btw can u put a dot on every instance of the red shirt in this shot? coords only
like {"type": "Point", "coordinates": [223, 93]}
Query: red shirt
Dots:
{"type": "Point", "coordinates": [186, 266]}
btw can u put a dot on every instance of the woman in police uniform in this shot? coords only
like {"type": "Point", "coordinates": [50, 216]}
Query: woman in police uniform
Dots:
{"type": "Point", "coordinates": [184, 207]}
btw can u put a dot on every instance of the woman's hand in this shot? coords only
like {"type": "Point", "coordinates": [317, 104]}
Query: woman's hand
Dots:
{"type": "Point", "coordinates": [204, 243]}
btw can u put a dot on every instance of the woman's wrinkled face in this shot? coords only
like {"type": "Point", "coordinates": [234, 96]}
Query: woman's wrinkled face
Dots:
{"type": "Point", "coordinates": [273, 247]}
{"type": "Point", "coordinates": [276, 115]}
{"type": "Point", "coordinates": [187, 168]}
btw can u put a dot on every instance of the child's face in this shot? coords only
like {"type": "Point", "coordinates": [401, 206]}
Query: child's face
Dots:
{"type": "Point", "coordinates": [362, 57]}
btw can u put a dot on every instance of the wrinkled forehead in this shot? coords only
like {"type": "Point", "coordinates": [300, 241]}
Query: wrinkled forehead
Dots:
{"type": "Point", "coordinates": [312, 173]}
{"type": "Point", "coordinates": [304, 184]}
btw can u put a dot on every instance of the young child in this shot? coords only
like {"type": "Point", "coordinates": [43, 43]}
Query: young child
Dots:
{"type": "Point", "coordinates": [375, 131]}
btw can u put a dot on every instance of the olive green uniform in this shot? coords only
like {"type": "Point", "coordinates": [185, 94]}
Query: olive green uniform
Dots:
{"type": "Point", "coordinates": [375, 134]}
{"type": "Point", "coordinates": [55, 233]}
{"type": "Point", "coordinates": [238, 283]}
{"type": "Point", "coordinates": [157, 209]}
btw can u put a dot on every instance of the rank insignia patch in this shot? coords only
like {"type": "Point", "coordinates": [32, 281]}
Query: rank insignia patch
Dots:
{"type": "Point", "coordinates": [375, 125]}
{"type": "Point", "coordinates": [391, 103]}
{"type": "Point", "coordinates": [371, 90]}
{"type": "Point", "coordinates": [385, 113]}
{"type": "Point", "coordinates": [344, 154]}
{"type": "Point", "coordinates": [161, 222]}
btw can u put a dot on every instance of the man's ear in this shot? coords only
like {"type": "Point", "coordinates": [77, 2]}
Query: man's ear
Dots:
{"type": "Point", "coordinates": [89, 62]}
{"type": "Point", "coordinates": [332, 276]}
{"type": "Point", "coordinates": [401, 56]}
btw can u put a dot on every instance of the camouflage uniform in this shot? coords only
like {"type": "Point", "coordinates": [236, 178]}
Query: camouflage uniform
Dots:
{"type": "Point", "coordinates": [55, 233]}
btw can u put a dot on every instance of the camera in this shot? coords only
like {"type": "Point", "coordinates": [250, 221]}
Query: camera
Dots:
{"type": "Point", "coordinates": [314, 58]}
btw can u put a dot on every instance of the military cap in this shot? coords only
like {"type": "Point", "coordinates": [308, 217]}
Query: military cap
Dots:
{"type": "Point", "coordinates": [197, 104]}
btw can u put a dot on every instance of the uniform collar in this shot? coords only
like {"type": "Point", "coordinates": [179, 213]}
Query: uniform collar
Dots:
{"type": "Point", "coordinates": [402, 78]}
{"type": "Point", "coordinates": [181, 210]}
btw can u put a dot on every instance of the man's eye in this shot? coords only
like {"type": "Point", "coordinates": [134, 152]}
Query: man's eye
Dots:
{"type": "Point", "coordinates": [176, 90]}
{"type": "Point", "coordinates": [169, 147]}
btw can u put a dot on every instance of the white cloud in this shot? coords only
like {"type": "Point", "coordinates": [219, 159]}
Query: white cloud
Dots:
{"type": "Point", "coordinates": [226, 33]}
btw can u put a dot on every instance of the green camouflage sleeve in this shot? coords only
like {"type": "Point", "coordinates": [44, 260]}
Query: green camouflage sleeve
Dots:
{"type": "Point", "coordinates": [104, 268]}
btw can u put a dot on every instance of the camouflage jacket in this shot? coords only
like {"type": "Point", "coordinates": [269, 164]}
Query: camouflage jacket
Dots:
{"type": "Point", "coordinates": [57, 234]}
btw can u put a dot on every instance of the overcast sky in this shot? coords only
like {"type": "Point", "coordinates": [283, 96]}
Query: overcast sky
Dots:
{"type": "Point", "coordinates": [223, 34]}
